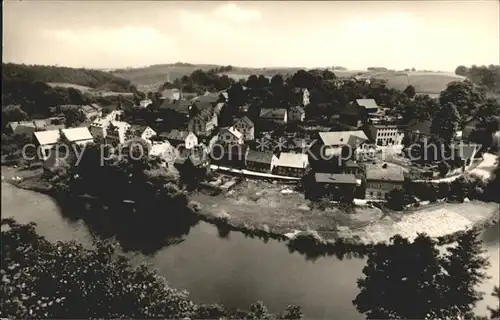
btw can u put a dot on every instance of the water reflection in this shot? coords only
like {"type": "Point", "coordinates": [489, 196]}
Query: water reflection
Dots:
{"type": "Point", "coordinates": [136, 230]}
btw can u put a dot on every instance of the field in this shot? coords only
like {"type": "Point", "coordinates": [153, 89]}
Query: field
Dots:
{"type": "Point", "coordinates": [424, 82]}
{"type": "Point", "coordinates": [150, 78]}
{"type": "Point", "coordinates": [85, 89]}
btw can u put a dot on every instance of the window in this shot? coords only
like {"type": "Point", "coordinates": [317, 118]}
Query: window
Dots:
{"type": "Point", "coordinates": [379, 194]}
{"type": "Point", "coordinates": [371, 193]}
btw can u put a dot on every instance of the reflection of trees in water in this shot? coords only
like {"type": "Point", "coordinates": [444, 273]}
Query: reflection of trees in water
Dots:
{"type": "Point", "coordinates": [146, 230]}
{"type": "Point", "coordinates": [313, 248]}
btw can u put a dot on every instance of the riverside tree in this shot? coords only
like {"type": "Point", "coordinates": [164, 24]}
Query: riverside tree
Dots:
{"type": "Point", "coordinates": [61, 280]}
{"type": "Point", "coordinates": [411, 280]}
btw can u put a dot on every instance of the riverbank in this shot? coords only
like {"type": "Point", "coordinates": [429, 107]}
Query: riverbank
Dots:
{"type": "Point", "coordinates": [267, 210]}
{"type": "Point", "coordinates": [262, 208]}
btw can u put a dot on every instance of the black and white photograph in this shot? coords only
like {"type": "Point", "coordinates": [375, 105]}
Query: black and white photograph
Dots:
{"type": "Point", "coordinates": [250, 160]}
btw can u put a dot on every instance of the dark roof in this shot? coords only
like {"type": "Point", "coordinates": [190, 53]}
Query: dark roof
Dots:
{"type": "Point", "coordinates": [175, 135]}
{"type": "Point", "coordinates": [210, 98]}
{"type": "Point", "coordinates": [236, 152]}
{"type": "Point", "coordinates": [205, 114]}
{"type": "Point", "coordinates": [275, 113]}
{"type": "Point", "coordinates": [422, 126]}
{"type": "Point", "coordinates": [261, 157]}
{"type": "Point", "coordinates": [335, 178]}
{"type": "Point", "coordinates": [246, 120]}
{"type": "Point", "coordinates": [181, 106]}
{"type": "Point", "coordinates": [137, 128]}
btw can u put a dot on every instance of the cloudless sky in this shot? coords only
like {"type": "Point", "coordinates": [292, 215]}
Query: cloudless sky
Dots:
{"type": "Point", "coordinates": [111, 34]}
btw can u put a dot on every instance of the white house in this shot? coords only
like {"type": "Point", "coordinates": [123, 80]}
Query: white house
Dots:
{"type": "Point", "coordinates": [164, 151]}
{"type": "Point", "coordinates": [246, 127]}
{"type": "Point", "coordinates": [117, 132]}
{"type": "Point", "coordinates": [230, 136]}
{"type": "Point", "coordinates": [291, 164]}
{"type": "Point", "coordinates": [145, 103]}
{"type": "Point", "coordinates": [140, 131]}
{"type": "Point", "coordinates": [48, 140]}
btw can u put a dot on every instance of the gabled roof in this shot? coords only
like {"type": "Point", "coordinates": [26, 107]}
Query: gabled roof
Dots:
{"type": "Point", "coordinates": [207, 98]}
{"type": "Point", "coordinates": [292, 160]}
{"type": "Point", "coordinates": [77, 134]}
{"type": "Point", "coordinates": [170, 93]}
{"type": "Point", "coordinates": [260, 157]}
{"type": "Point", "coordinates": [96, 106]}
{"type": "Point", "coordinates": [275, 113]}
{"type": "Point", "coordinates": [335, 178]}
{"type": "Point", "coordinates": [335, 138]}
{"type": "Point", "coordinates": [47, 137]}
{"type": "Point", "coordinates": [205, 115]}
{"type": "Point", "coordinates": [367, 103]}
{"type": "Point", "coordinates": [422, 126]}
{"type": "Point", "coordinates": [158, 148]}
{"type": "Point", "coordinates": [235, 132]}
{"type": "Point", "coordinates": [90, 108]}
{"type": "Point", "coordinates": [246, 120]}
{"type": "Point", "coordinates": [176, 135]}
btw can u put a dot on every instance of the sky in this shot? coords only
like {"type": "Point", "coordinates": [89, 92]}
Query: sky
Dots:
{"type": "Point", "coordinates": [431, 35]}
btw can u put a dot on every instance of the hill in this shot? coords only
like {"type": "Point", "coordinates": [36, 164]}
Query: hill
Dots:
{"type": "Point", "coordinates": [151, 77]}
{"type": "Point", "coordinates": [89, 90]}
{"type": "Point", "coordinates": [424, 82]}
{"type": "Point", "coordinates": [95, 79]}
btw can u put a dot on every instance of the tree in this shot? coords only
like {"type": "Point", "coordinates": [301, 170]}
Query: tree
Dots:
{"type": "Point", "coordinates": [396, 199]}
{"type": "Point", "coordinates": [464, 95]}
{"type": "Point", "coordinates": [461, 71]}
{"type": "Point", "coordinates": [13, 113]}
{"type": "Point", "coordinates": [41, 279]}
{"type": "Point", "coordinates": [400, 280]}
{"type": "Point", "coordinates": [495, 313]}
{"type": "Point", "coordinates": [464, 264]}
{"type": "Point", "coordinates": [410, 91]}
{"type": "Point", "coordinates": [73, 115]}
{"type": "Point", "coordinates": [411, 280]}
{"type": "Point", "coordinates": [445, 122]}
{"type": "Point", "coordinates": [277, 81]}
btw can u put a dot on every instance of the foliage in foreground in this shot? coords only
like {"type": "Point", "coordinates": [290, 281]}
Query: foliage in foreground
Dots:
{"type": "Point", "coordinates": [41, 279]}
{"type": "Point", "coordinates": [412, 280]}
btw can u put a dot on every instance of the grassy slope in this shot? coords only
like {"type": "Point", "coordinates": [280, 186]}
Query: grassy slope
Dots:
{"type": "Point", "coordinates": [90, 90]}
{"type": "Point", "coordinates": [150, 78]}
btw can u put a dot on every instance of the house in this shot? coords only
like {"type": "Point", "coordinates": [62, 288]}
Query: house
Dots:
{"type": "Point", "coordinates": [246, 127]}
{"type": "Point", "coordinates": [418, 130]}
{"type": "Point", "coordinates": [91, 111]}
{"type": "Point", "coordinates": [333, 143]}
{"type": "Point", "coordinates": [117, 132]}
{"type": "Point", "coordinates": [296, 114]}
{"type": "Point", "coordinates": [163, 151]}
{"type": "Point", "coordinates": [99, 128]}
{"type": "Point", "coordinates": [260, 161]}
{"type": "Point", "coordinates": [233, 156]}
{"type": "Point", "coordinates": [141, 131]}
{"type": "Point", "coordinates": [45, 142]}
{"type": "Point", "coordinates": [145, 103]}
{"type": "Point", "coordinates": [48, 140]}
{"type": "Point", "coordinates": [171, 94]}
{"type": "Point", "coordinates": [276, 115]}
{"type": "Point", "coordinates": [203, 123]}
{"type": "Point", "coordinates": [385, 135]}
{"type": "Point", "coordinates": [291, 164]}
{"type": "Point", "coordinates": [351, 167]}
{"type": "Point", "coordinates": [79, 136]}
{"type": "Point", "coordinates": [340, 186]}
{"type": "Point", "coordinates": [181, 139]}
{"type": "Point", "coordinates": [192, 158]}
{"type": "Point", "coordinates": [29, 127]}
{"type": "Point", "coordinates": [230, 136]}
{"type": "Point", "coordinates": [381, 179]}
{"type": "Point", "coordinates": [367, 104]}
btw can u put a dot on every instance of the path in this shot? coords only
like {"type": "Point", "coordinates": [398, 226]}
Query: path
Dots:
{"type": "Point", "coordinates": [253, 173]}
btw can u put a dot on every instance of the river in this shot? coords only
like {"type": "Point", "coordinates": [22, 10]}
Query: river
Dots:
{"type": "Point", "coordinates": [233, 269]}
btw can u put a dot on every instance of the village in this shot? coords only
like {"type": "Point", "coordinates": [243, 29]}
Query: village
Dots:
{"type": "Point", "coordinates": [363, 151]}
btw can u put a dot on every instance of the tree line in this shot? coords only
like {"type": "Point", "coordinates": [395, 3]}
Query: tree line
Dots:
{"type": "Point", "coordinates": [487, 76]}
{"type": "Point", "coordinates": [85, 77]}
